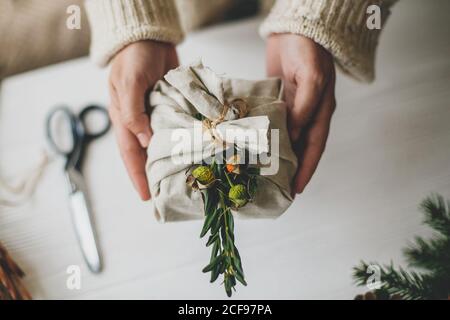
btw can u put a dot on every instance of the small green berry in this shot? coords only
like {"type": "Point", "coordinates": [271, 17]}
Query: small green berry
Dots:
{"type": "Point", "coordinates": [238, 195]}
{"type": "Point", "coordinates": [204, 175]}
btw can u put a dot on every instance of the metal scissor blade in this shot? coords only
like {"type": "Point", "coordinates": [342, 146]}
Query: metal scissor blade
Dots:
{"type": "Point", "coordinates": [82, 221]}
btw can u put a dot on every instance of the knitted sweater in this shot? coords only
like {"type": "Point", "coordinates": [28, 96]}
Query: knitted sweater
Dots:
{"type": "Point", "coordinates": [338, 25]}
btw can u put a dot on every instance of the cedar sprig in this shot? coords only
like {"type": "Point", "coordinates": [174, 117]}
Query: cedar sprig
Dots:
{"type": "Point", "coordinates": [225, 189]}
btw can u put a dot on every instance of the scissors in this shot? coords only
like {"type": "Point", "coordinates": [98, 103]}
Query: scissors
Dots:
{"type": "Point", "coordinates": [81, 137]}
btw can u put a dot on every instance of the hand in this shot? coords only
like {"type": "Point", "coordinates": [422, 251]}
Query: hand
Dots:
{"type": "Point", "coordinates": [309, 79]}
{"type": "Point", "coordinates": [135, 70]}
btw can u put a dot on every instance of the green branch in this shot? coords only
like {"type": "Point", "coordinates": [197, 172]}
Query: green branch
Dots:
{"type": "Point", "coordinates": [432, 256]}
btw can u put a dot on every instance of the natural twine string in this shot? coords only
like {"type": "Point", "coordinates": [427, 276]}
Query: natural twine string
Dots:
{"type": "Point", "coordinates": [210, 125]}
{"type": "Point", "coordinates": [26, 188]}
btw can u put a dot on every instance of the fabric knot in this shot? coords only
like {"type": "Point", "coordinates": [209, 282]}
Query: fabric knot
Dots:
{"type": "Point", "coordinates": [237, 106]}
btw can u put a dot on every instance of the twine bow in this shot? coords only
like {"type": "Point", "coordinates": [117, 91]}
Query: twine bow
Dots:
{"type": "Point", "coordinates": [237, 105]}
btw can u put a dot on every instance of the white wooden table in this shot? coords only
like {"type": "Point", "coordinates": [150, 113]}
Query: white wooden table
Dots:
{"type": "Point", "coordinates": [389, 147]}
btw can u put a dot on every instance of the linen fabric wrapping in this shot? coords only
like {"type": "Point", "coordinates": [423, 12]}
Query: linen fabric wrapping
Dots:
{"type": "Point", "coordinates": [191, 90]}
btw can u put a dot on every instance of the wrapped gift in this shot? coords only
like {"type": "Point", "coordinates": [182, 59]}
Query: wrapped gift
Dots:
{"type": "Point", "coordinates": [193, 99]}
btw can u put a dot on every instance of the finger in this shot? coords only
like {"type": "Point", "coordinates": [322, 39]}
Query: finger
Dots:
{"type": "Point", "coordinates": [313, 145]}
{"type": "Point", "coordinates": [309, 92]}
{"type": "Point", "coordinates": [132, 97]}
{"type": "Point", "coordinates": [289, 92]}
{"type": "Point", "coordinates": [133, 155]}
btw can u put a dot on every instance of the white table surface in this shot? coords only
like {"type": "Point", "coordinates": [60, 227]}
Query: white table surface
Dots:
{"type": "Point", "coordinates": [389, 147]}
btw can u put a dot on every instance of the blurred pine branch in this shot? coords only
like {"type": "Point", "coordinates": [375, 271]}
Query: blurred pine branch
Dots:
{"type": "Point", "coordinates": [431, 256]}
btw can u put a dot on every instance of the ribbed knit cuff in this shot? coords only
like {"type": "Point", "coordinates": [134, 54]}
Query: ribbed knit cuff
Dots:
{"type": "Point", "coordinates": [117, 23]}
{"type": "Point", "coordinates": [337, 25]}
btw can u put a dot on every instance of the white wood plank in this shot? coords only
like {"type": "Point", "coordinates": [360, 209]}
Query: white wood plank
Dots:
{"type": "Point", "coordinates": [389, 147]}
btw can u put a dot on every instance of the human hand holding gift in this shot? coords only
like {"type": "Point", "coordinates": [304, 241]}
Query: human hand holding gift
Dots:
{"type": "Point", "coordinates": [306, 68]}
{"type": "Point", "coordinates": [194, 97]}
{"type": "Point", "coordinates": [135, 70]}
{"type": "Point", "coordinates": [307, 71]}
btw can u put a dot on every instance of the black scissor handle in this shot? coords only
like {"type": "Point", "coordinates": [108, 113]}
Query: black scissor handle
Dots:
{"type": "Point", "coordinates": [83, 118]}
{"type": "Point", "coordinates": [76, 130]}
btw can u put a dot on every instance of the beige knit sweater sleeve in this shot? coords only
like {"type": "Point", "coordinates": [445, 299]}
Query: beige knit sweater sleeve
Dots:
{"type": "Point", "coordinates": [117, 23]}
{"type": "Point", "coordinates": [338, 25]}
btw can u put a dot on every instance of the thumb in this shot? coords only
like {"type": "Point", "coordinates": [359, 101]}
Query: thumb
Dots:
{"type": "Point", "coordinates": [307, 97]}
{"type": "Point", "coordinates": [134, 115]}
